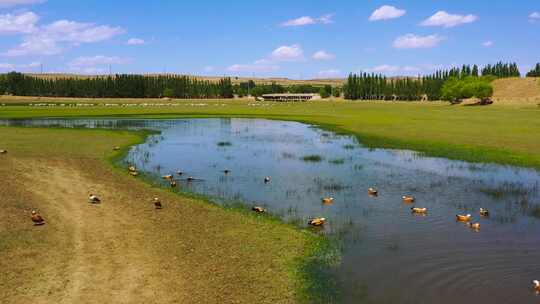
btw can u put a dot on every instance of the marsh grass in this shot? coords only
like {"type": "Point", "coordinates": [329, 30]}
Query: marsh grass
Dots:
{"type": "Point", "coordinates": [224, 144]}
{"type": "Point", "coordinates": [312, 158]}
{"type": "Point", "coordinates": [508, 190]}
{"type": "Point", "coordinates": [348, 147]}
{"type": "Point", "coordinates": [337, 161]}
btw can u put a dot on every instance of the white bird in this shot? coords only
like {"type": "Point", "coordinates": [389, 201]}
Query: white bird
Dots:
{"type": "Point", "coordinates": [267, 179]}
{"type": "Point", "coordinates": [536, 285]}
{"type": "Point", "coordinates": [3, 151]}
{"type": "Point", "coordinates": [93, 199]}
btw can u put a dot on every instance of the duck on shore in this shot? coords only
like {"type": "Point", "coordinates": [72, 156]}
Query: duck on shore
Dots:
{"type": "Point", "coordinates": [407, 198]}
{"type": "Point", "coordinates": [116, 148]}
{"type": "Point", "coordinates": [318, 221]}
{"type": "Point", "coordinates": [132, 169]}
{"type": "Point", "coordinates": [3, 151]}
{"type": "Point", "coordinates": [157, 203]}
{"type": "Point", "coordinates": [484, 212]}
{"type": "Point", "coordinates": [328, 200]}
{"type": "Point", "coordinates": [372, 191]}
{"type": "Point", "coordinates": [258, 209]}
{"type": "Point", "coordinates": [93, 199]}
{"type": "Point", "coordinates": [463, 217]}
{"type": "Point", "coordinates": [173, 184]}
{"type": "Point", "coordinates": [536, 285]}
{"type": "Point", "coordinates": [134, 173]}
{"type": "Point", "coordinates": [167, 177]}
{"type": "Point", "coordinates": [37, 219]}
{"type": "Point", "coordinates": [419, 210]}
{"type": "Point", "coordinates": [475, 226]}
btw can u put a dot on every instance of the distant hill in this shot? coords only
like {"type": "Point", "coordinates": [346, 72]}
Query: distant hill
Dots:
{"type": "Point", "coordinates": [517, 91]}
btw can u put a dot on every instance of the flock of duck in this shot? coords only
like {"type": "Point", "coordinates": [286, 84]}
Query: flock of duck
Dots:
{"type": "Point", "coordinates": [38, 220]}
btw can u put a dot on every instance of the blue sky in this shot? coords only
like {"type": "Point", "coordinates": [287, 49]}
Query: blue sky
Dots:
{"type": "Point", "coordinates": [296, 39]}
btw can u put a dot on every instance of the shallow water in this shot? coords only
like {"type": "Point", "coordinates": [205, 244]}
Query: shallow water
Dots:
{"type": "Point", "coordinates": [389, 255]}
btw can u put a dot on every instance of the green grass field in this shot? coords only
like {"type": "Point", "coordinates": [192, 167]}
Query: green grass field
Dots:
{"type": "Point", "coordinates": [507, 134]}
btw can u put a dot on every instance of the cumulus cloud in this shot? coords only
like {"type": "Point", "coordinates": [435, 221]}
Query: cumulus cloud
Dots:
{"type": "Point", "coordinates": [412, 41]}
{"type": "Point", "coordinates": [331, 73]}
{"type": "Point", "coordinates": [488, 43]}
{"type": "Point", "coordinates": [135, 41]}
{"type": "Point", "coordinates": [444, 19]}
{"type": "Point", "coordinates": [288, 53]}
{"type": "Point", "coordinates": [97, 60]}
{"type": "Point", "coordinates": [534, 17]}
{"type": "Point", "coordinates": [24, 66]}
{"type": "Point", "coordinates": [8, 3]}
{"type": "Point", "coordinates": [307, 20]}
{"type": "Point", "coordinates": [386, 12]}
{"type": "Point", "coordinates": [24, 23]}
{"type": "Point", "coordinates": [323, 55]}
{"type": "Point", "coordinates": [52, 38]}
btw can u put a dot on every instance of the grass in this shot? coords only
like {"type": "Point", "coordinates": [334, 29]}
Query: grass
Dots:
{"type": "Point", "coordinates": [500, 134]}
{"type": "Point", "coordinates": [312, 158]}
{"type": "Point", "coordinates": [221, 262]}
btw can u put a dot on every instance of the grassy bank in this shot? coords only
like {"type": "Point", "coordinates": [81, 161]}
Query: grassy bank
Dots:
{"type": "Point", "coordinates": [125, 251]}
{"type": "Point", "coordinates": [508, 134]}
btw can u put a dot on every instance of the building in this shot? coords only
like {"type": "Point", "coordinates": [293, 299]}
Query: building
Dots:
{"type": "Point", "coordinates": [290, 97]}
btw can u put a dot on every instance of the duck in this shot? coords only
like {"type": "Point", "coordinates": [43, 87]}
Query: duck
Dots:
{"type": "Point", "coordinates": [173, 184]}
{"type": "Point", "coordinates": [226, 171]}
{"type": "Point", "coordinates": [475, 226]}
{"type": "Point", "coordinates": [132, 169]}
{"type": "Point", "coordinates": [116, 148]}
{"type": "Point", "coordinates": [157, 203]}
{"type": "Point", "coordinates": [372, 191]}
{"type": "Point", "coordinates": [418, 210]}
{"type": "Point", "coordinates": [93, 199]}
{"type": "Point", "coordinates": [328, 200]}
{"type": "Point", "coordinates": [267, 179]}
{"type": "Point", "coordinates": [190, 178]}
{"type": "Point", "coordinates": [484, 212]}
{"type": "Point", "coordinates": [407, 198]}
{"type": "Point", "coordinates": [318, 221]}
{"type": "Point", "coordinates": [179, 172]}
{"type": "Point", "coordinates": [134, 173]}
{"type": "Point", "coordinates": [37, 219]}
{"type": "Point", "coordinates": [463, 218]}
{"type": "Point", "coordinates": [258, 209]}
{"type": "Point", "coordinates": [167, 177]}
{"type": "Point", "coordinates": [536, 285]}
{"type": "Point", "coordinates": [3, 151]}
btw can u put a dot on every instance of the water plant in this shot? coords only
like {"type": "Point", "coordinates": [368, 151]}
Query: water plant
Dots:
{"type": "Point", "coordinates": [312, 158]}
{"type": "Point", "coordinates": [337, 161]}
{"type": "Point", "coordinates": [224, 144]}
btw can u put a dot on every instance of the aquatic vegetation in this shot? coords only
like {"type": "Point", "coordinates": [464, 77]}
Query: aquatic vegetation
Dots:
{"type": "Point", "coordinates": [337, 161]}
{"type": "Point", "coordinates": [348, 147]}
{"type": "Point", "coordinates": [224, 144]}
{"type": "Point", "coordinates": [312, 158]}
{"type": "Point", "coordinates": [287, 155]}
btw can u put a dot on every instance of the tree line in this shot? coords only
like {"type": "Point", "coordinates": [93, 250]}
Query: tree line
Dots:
{"type": "Point", "coordinates": [117, 86]}
{"type": "Point", "coordinates": [535, 72]}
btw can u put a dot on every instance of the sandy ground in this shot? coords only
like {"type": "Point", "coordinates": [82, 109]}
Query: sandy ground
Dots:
{"type": "Point", "coordinates": [123, 250]}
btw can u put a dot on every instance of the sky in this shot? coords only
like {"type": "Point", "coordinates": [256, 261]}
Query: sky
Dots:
{"type": "Point", "coordinates": [301, 39]}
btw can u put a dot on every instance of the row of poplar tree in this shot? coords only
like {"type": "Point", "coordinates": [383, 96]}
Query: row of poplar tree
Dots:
{"type": "Point", "coordinates": [534, 72]}
{"type": "Point", "coordinates": [129, 86]}
{"type": "Point", "coordinates": [378, 87]}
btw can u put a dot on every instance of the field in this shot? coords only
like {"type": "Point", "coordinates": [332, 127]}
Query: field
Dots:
{"type": "Point", "coordinates": [124, 250]}
{"type": "Point", "coordinates": [501, 133]}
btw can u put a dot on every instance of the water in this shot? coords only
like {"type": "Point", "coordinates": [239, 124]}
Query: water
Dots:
{"type": "Point", "coordinates": [389, 255]}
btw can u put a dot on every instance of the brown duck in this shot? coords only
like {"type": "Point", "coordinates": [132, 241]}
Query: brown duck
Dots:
{"type": "Point", "coordinates": [37, 219]}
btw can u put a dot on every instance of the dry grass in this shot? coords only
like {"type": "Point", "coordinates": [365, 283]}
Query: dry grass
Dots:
{"type": "Point", "coordinates": [517, 91]}
{"type": "Point", "coordinates": [124, 251]}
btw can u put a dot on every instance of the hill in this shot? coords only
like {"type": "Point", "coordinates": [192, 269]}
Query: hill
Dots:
{"type": "Point", "coordinates": [518, 91]}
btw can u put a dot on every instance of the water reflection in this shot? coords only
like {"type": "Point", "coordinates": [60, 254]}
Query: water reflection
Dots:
{"type": "Point", "coordinates": [389, 254]}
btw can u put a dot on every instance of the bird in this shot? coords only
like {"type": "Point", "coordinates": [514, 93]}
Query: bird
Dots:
{"type": "Point", "coordinates": [226, 171]}
{"type": "Point", "coordinates": [190, 179]}
{"type": "Point", "coordinates": [132, 169]}
{"type": "Point", "coordinates": [116, 148]}
{"type": "Point", "coordinates": [328, 200]}
{"type": "Point", "coordinates": [475, 226]}
{"type": "Point", "coordinates": [267, 179]}
{"type": "Point", "coordinates": [37, 219]}
{"type": "Point", "coordinates": [173, 184]}
{"type": "Point", "coordinates": [3, 151]}
{"type": "Point", "coordinates": [536, 285]}
{"type": "Point", "coordinates": [484, 212]}
{"type": "Point", "coordinates": [167, 177]}
{"type": "Point", "coordinates": [179, 172]}
{"type": "Point", "coordinates": [157, 203]}
{"type": "Point", "coordinates": [408, 198]}
{"type": "Point", "coordinates": [133, 173]}
{"type": "Point", "coordinates": [93, 199]}
{"type": "Point", "coordinates": [372, 191]}
{"type": "Point", "coordinates": [258, 209]}
{"type": "Point", "coordinates": [463, 218]}
{"type": "Point", "coordinates": [418, 210]}
{"type": "Point", "coordinates": [319, 221]}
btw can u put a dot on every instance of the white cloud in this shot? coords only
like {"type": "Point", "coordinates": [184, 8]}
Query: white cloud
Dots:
{"type": "Point", "coordinates": [534, 17]}
{"type": "Point", "coordinates": [98, 60]}
{"type": "Point", "coordinates": [323, 55]}
{"type": "Point", "coordinates": [8, 3]}
{"type": "Point", "coordinates": [25, 66]}
{"type": "Point", "coordinates": [24, 23]}
{"type": "Point", "coordinates": [288, 53]}
{"type": "Point", "coordinates": [444, 19]}
{"type": "Point", "coordinates": [52, 38]}
{"type": "Point", "coordinates": [135, 41]}
{"type": "Point", "coordinates": [411, 41]}
{"type": "Point", "coordinates": [488, 43]}
{"type": "Point", "coordinates": [307, 20]}
{"type": "Point", "coordinates": [386, 12]}
{"type": "Point", "coordinates": [332, 73]}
